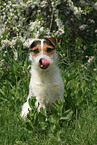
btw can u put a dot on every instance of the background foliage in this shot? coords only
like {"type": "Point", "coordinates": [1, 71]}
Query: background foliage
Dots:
{"type": "Point", "coordinates": [74, 23]}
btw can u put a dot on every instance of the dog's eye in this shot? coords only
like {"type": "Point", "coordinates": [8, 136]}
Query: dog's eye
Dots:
{"type": "Point", "coordinates": [49, 50]}
{"type": "Point", "coordinates": [36, 51]}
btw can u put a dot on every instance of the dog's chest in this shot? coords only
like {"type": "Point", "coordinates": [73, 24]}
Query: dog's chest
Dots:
{"type": "Point", "coordinates": [45, 86]}
{"type": "Point", "coordinates": [48, 92]}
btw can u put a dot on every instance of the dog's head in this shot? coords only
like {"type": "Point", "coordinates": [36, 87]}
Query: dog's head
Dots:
{"type": "Point", "coordinates": [43, 53]}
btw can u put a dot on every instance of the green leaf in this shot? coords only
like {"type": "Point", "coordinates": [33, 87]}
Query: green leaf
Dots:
{"type": "Point", "coordinates": [68, 116]}
{"type": "Point", "coordinates": [94, 98]}
{"type": "Point", "coordinates": [53, 119]}
{"type": "Point", "coordinates": [43, 125]}
{"type": "Point", "coordinates": [29, 127]}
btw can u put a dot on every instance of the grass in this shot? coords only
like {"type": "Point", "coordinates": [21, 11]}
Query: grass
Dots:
{"type": "Point", "coordinates": [74, 129]}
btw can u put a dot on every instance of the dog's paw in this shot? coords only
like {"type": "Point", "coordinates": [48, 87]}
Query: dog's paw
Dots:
{"type": "Point", "coordinates": [25, 110]}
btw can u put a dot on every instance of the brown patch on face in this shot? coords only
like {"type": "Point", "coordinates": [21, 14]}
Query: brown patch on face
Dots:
{"type": "Point", "coordinates": [36, 50]}
{"type": "Point", "coordinates": [48, 50]}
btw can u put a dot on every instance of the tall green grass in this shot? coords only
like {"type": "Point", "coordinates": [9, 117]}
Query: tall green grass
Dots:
{"type": "Point", "coordinates": [75, 123]}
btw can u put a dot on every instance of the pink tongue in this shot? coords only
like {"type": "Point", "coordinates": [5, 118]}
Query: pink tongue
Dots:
{"type": "Point", "coordinates": [45, 63]}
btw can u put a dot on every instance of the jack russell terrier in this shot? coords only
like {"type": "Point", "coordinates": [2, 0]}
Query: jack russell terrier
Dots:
{"type": "Point", "coordinates": [46, 83]}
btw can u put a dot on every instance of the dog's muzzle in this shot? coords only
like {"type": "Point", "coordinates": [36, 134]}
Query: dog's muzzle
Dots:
{"type": "Point", "coordinates": [44, 63]}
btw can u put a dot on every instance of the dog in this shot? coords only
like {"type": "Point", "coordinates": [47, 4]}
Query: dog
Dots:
{"type": "Point", "coordinates": [46, 83]}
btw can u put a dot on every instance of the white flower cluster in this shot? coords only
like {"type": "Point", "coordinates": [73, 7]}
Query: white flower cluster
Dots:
{"type": "Point", "coordinates": [95, 6]}
{"type": "Point", "coordinates": [37, 28]}
{"type": "Point", "coordinates": [11, 19]}
{"type": "Point", "coordinates": [90, 59]}
{"type": "Point", "coordinates": [77, 10]}
{"type": "Point", "coordinates": [14, 20]}
{"type": "Point", "coordinates": [12, 42]}
{"type": "Point", "coordinates": [74, 8]}
{"type": "Point", "coordinates": [59, 24]}
{"type": "Point", "coordinates": [55, 3]}
{"type": "Point", "coordinates": [82, 27]}
{"type": "Point", "coordinates": [32, 3]}
{"type": "Point", "coordinates": [57, 19]}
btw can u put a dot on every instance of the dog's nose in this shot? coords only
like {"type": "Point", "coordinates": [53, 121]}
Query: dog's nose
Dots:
{"type": "Point", "coordinates": [44, 63]}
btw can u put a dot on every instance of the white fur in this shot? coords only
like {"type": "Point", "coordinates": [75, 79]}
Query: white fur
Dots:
{"type": "Point", "coordinates": [46, 84]}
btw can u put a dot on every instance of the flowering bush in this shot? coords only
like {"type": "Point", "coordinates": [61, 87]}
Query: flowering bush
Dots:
{"type": "Point", "coordinates": [63, 19]}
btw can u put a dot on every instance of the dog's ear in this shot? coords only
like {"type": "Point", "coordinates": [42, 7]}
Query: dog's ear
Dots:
{"type": "Point", "coordinates": [52, 40]}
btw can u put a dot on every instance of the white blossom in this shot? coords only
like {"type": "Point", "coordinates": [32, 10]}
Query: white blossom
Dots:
{"type": "Point", "coordinates": [90, 59]}
{"type": "Point", "coordinates": [59, 23]}
{"type": "Point", "coordinates": [15, 54]}
{"type": "Point", "coordinates": [82, 27]}
{"type": "Point", "coordinates": [95, 5]}
{"type": "Point", "coordinates": [96, 31]}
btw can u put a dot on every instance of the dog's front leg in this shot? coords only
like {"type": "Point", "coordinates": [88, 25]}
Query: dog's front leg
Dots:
{"type": "Point", "coordinates": [26, 107]}
{"type": "Point", "coordinates": [41, 104]}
